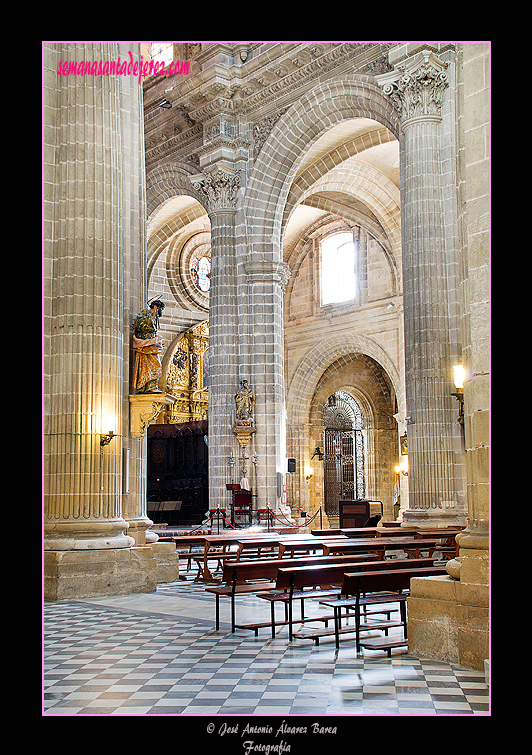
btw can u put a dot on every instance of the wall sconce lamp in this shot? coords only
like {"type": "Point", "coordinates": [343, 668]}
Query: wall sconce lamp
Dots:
{"type": "Point", "coordinates": [106, 438]}
{"type": "Point", "coordinates": [402, 467]}
{"type": "Point", "coordinates": [307, 478]}
{"type": "Point", "coordinates": [459, 378]}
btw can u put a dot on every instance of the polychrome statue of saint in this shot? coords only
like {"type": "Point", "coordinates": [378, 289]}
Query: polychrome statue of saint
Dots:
{"type": "Point", "coordinates": [245, 401]}
{"type": "Point", "coordinates": [148, 348]}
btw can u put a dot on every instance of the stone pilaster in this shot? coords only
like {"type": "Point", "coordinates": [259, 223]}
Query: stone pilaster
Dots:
{"type": "Point", "coordinates": [418, 88]}
{"type": "Point", "coordinates": [219, 189]}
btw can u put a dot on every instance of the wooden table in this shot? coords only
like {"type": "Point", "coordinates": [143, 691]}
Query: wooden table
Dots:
{"type": "Point", "coordinates": [362, 545]}
{"type": "Point", "coordinates": [442, 533]}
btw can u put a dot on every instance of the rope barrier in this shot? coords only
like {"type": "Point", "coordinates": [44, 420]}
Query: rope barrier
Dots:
{"type": "Point", "coordinates": [289, 524]}
{"type": "Point", "coordinates": [268, 511]}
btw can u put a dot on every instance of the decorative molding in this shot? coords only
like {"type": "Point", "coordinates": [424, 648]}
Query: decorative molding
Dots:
{"type": "Point", "coordinates": [260, 271]}
{"type": "Point", "coordinates": [416, 87]}
{"type": "Point", "coordinates": [262, 130]}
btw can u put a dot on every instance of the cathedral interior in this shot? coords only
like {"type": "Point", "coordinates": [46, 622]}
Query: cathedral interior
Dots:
{"type": "Point", "coordinates": [265, 280]}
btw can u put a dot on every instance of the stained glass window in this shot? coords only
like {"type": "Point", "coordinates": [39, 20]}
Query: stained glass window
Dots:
{"type": "Point", "coordinates": [200, 270]}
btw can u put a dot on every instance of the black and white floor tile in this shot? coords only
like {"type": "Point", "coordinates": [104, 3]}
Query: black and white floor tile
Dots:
{"type": "Point", "coordinates": [159, 654]}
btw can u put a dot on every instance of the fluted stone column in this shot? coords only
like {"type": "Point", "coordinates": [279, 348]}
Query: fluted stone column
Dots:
{"type": "Point", "coordinates": [88, 166]}
{"type": "Point", "coordinates": [219, 190]}
{"type": "Point", "coordinates": [448, 617]}
{"type": "Point", "coordinates": [432, 429]}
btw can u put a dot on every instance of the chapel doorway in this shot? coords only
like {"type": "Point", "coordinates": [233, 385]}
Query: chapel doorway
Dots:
{"type": "Point", "coordinates": [344, 477]}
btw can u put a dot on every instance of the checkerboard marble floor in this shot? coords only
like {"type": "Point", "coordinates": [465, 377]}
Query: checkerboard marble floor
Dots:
{"type": "Point", "coordinates": [159, 654]}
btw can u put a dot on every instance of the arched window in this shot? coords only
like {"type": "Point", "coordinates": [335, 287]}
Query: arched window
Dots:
{"type": "Point", "coordinates": [200, 270]}
{"type": "Point", "coordinates": [338, 268]}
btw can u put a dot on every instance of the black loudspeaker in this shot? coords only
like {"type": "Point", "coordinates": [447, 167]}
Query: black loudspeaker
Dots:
{"type": "Point", "coordinates": [291, 465]}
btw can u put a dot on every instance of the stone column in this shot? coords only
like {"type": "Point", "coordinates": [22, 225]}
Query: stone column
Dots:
{"type": "Point", "coordinates": [432, 429]}
{"type": "Point", "coordinates": [219, 189]}
{"type": "Point", "coordinates": [266, 279]}
{"type": "Point", "coordinates": [87, 548]}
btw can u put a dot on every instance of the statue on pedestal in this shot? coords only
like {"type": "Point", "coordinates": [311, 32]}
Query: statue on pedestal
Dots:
{"type": "Point", "coordinates": [148, 347]}
{"type": "Point", "coordinates": [245, 401]}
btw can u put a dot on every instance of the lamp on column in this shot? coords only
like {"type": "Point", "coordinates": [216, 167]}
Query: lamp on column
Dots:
{"type": "Point", "coordinates": [108, 424]}
{"type": "Point", "coordinates": [402, 467]}
{"type": "Point", "coordinates": [459, 378]}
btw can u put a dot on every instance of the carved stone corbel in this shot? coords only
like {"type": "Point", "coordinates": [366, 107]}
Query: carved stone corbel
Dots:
{"type": "Point", "coordinates": [144, 408]}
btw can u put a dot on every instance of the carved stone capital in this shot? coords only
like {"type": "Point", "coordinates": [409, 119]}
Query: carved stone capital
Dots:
{"type": "Point", "coordinates": [416, 87]}
{"type": "Point", "coordinates": [219, 189]}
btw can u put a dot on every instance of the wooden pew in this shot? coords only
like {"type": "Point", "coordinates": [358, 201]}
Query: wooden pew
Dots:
{"type": "Point", "coordinates": [295, 581]}
{"type": "Point", "coordinates": [215, 548]}
{"type": "Point", "coordinates": [412, 546]}
{"type": "Point", "coordinates": [386, 532]}
{"type": "Point", "coordinates": [245, 577]}
{"type": "Point", "coordinates": [380, 586]}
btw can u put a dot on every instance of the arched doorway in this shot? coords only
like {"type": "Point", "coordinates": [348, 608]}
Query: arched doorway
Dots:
{"type": "Point", "coordinates": [344, 463]}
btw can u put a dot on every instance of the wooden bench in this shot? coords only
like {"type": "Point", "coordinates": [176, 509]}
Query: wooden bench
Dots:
{"type": "Point", "coordinates": [245, 577]}
{"type": "Point", "coordinates": [295, 582]}
{"type": "Point", "coordinates": [215, 548]}
{"type": "Point", "coordinates": [381, 586]}
{"type": "Point", "coordinates": [412, 546]}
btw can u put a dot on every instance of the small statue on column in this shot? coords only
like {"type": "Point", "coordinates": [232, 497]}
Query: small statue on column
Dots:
{"type": "Point", "coordinates": [148, 347]}
{"type": "Point", "coordinates": [245, 401]}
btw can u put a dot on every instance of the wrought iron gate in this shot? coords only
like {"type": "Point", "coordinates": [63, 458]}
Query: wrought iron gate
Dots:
{"type": "Point", "coordinates": [344, 452]}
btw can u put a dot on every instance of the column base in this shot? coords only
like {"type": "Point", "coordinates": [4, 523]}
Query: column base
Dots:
{"type": "Point", "coordinates": [74, 574]}
{"type": "Point", "coordinates": [448, 621]}
{"type": "Point", "coordinates": [167, 562]}
{"type": "Point", "coordinates": [432, 518]}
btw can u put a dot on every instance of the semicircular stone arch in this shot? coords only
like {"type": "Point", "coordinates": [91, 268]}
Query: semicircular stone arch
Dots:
{"type": "Point", "coordinates": [168, 181]}
{"type": "Point", "coordinates": [271, 178]}
{"type": "Point", "coordinates": [315, 364]}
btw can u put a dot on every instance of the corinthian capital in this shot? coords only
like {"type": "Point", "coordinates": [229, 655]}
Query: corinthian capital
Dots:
{"type": "Point", "coordinates": [219, 189]}
{"type": "Point", "coordinates": [416, 87]}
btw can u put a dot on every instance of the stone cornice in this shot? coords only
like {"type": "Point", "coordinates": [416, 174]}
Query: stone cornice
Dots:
{"type": "Point", "coordinates": [220, 92]}
{"type": "Point", "coordinates": [262, 271]}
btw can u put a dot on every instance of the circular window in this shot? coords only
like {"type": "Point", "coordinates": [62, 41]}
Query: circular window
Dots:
{"type": "Point", "coordinates": [200, 269]}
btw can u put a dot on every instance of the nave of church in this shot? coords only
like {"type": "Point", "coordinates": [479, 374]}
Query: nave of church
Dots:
{"type": "Point", "coordinates": [265, 301]}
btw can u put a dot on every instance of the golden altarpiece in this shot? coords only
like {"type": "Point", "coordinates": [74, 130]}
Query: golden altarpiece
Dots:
{"type": "Point", "coordinates": [185, 377]}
